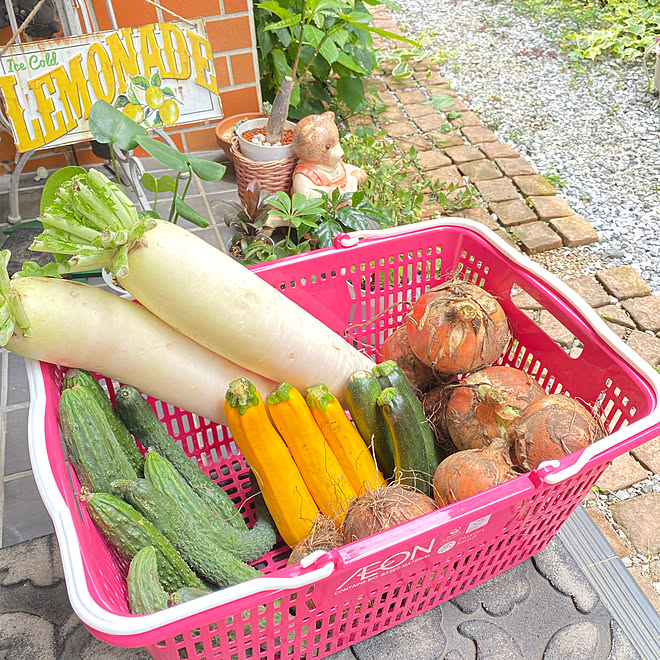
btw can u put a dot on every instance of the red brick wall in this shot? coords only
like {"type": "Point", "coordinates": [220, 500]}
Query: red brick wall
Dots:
{"type": "Point", "coordinates": [230, 29]}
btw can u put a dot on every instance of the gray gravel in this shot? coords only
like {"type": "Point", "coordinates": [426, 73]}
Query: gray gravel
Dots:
{"type": "Point", "coordinates": [596, 135]}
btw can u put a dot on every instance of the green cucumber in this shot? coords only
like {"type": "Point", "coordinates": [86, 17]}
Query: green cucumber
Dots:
{"type": "Point", "coordinates": [143, 423]}
{"type": "Point", "coordinates": [202, 553]}
{"type": "Point", "coordinates": [185, 595]}
{"type": "Point", "coordinates": [128, 531]}
{"type": "Point", "coordinates": [246, 545]}
{"type": "Point", "coordinates": [389, 374]}
{"type": "Point", "coordinates": [83, 378]}
{"type": "Point", "coordinates": [410, 455]}
{"type": "Point", "coordinates": [361, 392]}
{"type": "Point", "coordinates": [93, 449]}
{"type": "Point", "coordinates": [145, 593]}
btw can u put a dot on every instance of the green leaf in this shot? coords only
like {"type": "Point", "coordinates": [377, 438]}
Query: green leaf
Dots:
{"type": "Point", "coordinates": [132, 96]}
{"type": "Point", "coordinates": [141, 82]}
{"type": "Point", "coordinates": [353, 218]}
{"type": "Point", "coordinates": [351, 92]}
{"type": "Point", "coordinates": [349, 63]}
{"type": "Point", "coordinates": [440, 101]}
{"type": "Point", "coordinates": [189, 213]}
{"type": "Point", "coordinates": [326, 232]}
{"type": "Point", "coordinates": [207, 170]}
{"type": "Point", "coordinates": [159, 184]}
{"type": "Point", "coordinates": [111, 126]}
{"type": "Point", "coordinates": [276, 8]}
{"type": "Point", "coordinates": [121, 101]}
{"type": "Point", "coordinates": [156, 79]}
{"type": "Point", "coordinates": [55, 181]}
{"type": "Point", "coordinates": [167, 91]}
{"type": "Point", "coordinates": [163, 153]}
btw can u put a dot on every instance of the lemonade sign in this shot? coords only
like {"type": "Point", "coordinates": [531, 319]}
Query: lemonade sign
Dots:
{"type": "Point", "coordinates": [158, 75]}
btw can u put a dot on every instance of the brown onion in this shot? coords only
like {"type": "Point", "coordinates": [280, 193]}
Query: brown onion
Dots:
{"type": "Point", "coordinates": [397, 347]}
{"type": "Point", "coordinates": [550, 428]}
{"type": "Point", "coordinates": [434, 403]}
{"type": "Point", "coordinates": [324, 535]}
{"type": "Point", "coordinates": [457, 327]}
{"type": "Point", "coordinates": [472, 471]}
{"type": "Point", "coordinates": [486, 403]}
{"type": "Point", "coordinates": [383, 508]}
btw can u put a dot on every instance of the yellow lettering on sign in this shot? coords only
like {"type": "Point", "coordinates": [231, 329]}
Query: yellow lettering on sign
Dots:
{"type": "Point", "coordinates": [124, 57]}
{"type": "Point", "coordinates": [200, 51]}
{"type": "Point", "coordinates": [176, 64]}
{"type": "Point", "coordinates": [16, 115]}
{"type": "Point", "coordinates": [150, 50]}
{"type": "Point", "coordinates": [42, 87]}
{"type": "Point", "coordinates": [73, 91]}
{"type": "Point", "coordinates": [99, 66]}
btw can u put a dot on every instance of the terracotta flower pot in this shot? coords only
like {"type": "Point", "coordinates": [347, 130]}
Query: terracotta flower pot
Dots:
{"type": "Point", "coordinates": [224, 129]}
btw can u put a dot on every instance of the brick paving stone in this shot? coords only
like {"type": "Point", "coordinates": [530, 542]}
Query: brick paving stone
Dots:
{"type": "Point", "coordinates": [464, 153]}
{"type": "Point", "coordinates": [623, 282]}
{"type": "Point", "coordinates": [645, 312]}
{"type": "Point", "coordinates": [506, 236]}
{"type": "Point", "coordinates": [605, 526]}
{"type": "Point", "coordinates": [456, 106]}
{"type": "Point", "coordinates": [615, 314]}
{"type": "Point", "coordinates": [534, 184]}
{"type": "Point", "coordinates": [441, 89]}
{"type": "Point", "coordinates": [550, 206]}
{"type": "Point", "coordinates": [639, 517]}
{"type": "Point", "coordinates": [623, 472]}
{"type": "Point", "coordinates": [387, 98]}
{"type": "Point", "coordinates": [447, 174]}
{"type": "Point", "coordinates": [431, 210]}
{"type": "Point", "coordinates": [497, 190]}
{"type": "Point", "coordinates": [392, 113]}
{"type": "Point", "coordinates": [375, 84]}
{"type": "Point", "coordinates": [588, 288]}
{"type": "Point", "coordinates": [555, 329]}
{"type": "Point", "coordinates": [648, 455]}
{"type": "Point", "coordinates": [644, 581]}
{"type": "Point", "coordinates": [418, 141]}
{"type": "Point", "coordinates": [537, 237]}
{"type": "Point", "coordinates": [513, 212]}
{"type": "Point", "coordinates": [647, 346]}
{"type": "Point", "coordinates": [618, 330]}
{"type": "Point", "coordinates": [399, 128]}
{"type": "Point", "coordinates": [467, 118]}
{"type": "Point", "coordinates": [429, 160]}
{"type": "Point", "coordinates": [446, 139]}
{"type": "Point", "coordinates": [430, 122]}
{"type": "Point", "coordinates": [498, 149]}
{"type": "Point", "coordinates": [478, 134]}
{"type": "Point", "coordinates": [418, 109]}
{"type": "Point", "coordinates": [434, 78]}
{"type": "Point", "coordinates": [574, 230]}
{"type": "Point", "coordinates": [514, 166]}
{"type": "Point", "coordinates": [480, 170]}
{"type": "Point", "coordinates": [524, 301]}
{"type": "Point", "coordinates": [412, 96]}
{"type": "Point", "coordinates": [480, 214]}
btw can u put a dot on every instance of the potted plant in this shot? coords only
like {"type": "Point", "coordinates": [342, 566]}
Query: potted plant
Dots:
{"type": "Point", "coordinates": [225, 129]}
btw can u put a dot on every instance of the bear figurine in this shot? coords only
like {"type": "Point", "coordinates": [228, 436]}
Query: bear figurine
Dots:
{"type": "Point", "coordinates": [320, 158]}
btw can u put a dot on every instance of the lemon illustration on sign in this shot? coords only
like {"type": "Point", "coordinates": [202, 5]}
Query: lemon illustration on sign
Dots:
{"type": "Point", "coordinates": [169, 112]}
{"type": "Point", "coordinates": [154, 97]}
{"type": "Point", "coordinates": [134, 112]}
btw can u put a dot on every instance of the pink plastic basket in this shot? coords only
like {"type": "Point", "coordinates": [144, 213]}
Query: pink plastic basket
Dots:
{"type": "Point", "coordinates": [362, 288]}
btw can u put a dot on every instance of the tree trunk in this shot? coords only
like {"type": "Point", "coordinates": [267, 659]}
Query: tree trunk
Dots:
{"type": "Point", "coordinates": [280, 111]}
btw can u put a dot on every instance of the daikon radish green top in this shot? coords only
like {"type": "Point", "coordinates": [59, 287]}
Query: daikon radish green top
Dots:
{"type": "Point", "coordinates": [194, 287]}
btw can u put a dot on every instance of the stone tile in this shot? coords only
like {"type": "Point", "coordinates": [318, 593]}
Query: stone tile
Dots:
{"type": "Point", "coordinates": [550, 206]}
{"type": "Point", "coordinates": [418, 109]}
{"type": "Point", "coordinates": [418, 141]}
{"type": "Point", "coordinates": [605, 526]}
{"type": "Point", "coordinates": [463, 154]}
{"type": "Point", "coordinates": [467, 118]}
{"type": "Point", "coordinates": [644, 581]}
{"type": "Point", "coordinates": [555, 329]}
{"type": "Point", "coordinates": [589, 290]}
{"type": "Point", "coordinates": [574, 230]}
{"type": "Point", "coordinates": [534, 184]}
{"type": "Point", "coordinates": [36, 560]}
{"type": "Point", "coordinates": [648, 455]}
{"type": "Point", "coordinates": [391, 113]}
{"type": "Point", "coordinates": [457, 106]}
{"type": "Point", "coordinates": [498, 149]}
{"type": "Point", "coordinates": [447, 174]}
{"type": "Point", "coordinates": [478, 134]}
{"type": "Point", "coordinates": [514, 166]}
{"type": "Point", "coordinates": [399, 128]}
{"type": "Point", "coordinates": [497, 190]}
{"type": "Point", "coordinates": [645, 312]}
{"type": "Point", "coordinates": [446, 139]}
{"type": "Point", "coordinates": [505, 235]}
{"type": "Point", "coordinates": [17, 458]}
{"type": "Point", "coordinates": [375, 84]}
{"type": "Point", "coordinates": [639, 517]}
{"type": "Point", "coordinates": [624, 471]}
{"type": "Point", "coordinates": [427, 77]}
{"type": "Point", "coordinates": [431, 209]}
{"type": "Point", "coordinates": [387, 98]}
{"type": "Point", "coordinates": [513, 212]}
{"type": "Point", "coordinates": [623, 282]}
{"type": "Point", "coordinates": [618, 330]}
{"type": "Point", "coordinates": [524, 301]}
{"type": "Point", "coordinates": [412, 96]}
{"type": "Point", "coordinates": [647, 346]}
{"type": "Point", "coordinates": [25, 516]}
{"type": "Point", "coordinates": [431, 122]}
{"type": "Point", "coordinates": [430, 160]}
{"type": "Point", "coordinates": [537, 237]}
{"type": "Point", "coordinates": [480, 170]}
{"type": "Point", "coordinates": [441, 89]}
{"type": "Point", "coordinates": [479, 214]}
{"type": "Point", "coordinates": [615, 315]}
{"type": "Point", "coordinates": [18, 390]}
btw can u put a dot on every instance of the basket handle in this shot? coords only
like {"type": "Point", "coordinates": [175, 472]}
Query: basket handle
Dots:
{"type": "Point", "coordinates": [347, 240]}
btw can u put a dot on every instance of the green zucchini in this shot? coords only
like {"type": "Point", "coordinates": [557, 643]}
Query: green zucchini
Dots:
{"type": "Point", "coordinates": [201, 552]}
{"type": "Point", "coordinates": [389, 374]}
{"type": "Point", "coordinates": [93, 448]}
{"type": "Point", "coordinates": [185, 595]}
{"type": "Point", "coordinates": [143, 423]}
{"type": "Point", "coordinates": [145, 593]}
{"type": "Point", "coordinates": [246, 545]}
{"type": "Point", "coordinates": [361, 392]}
{"type": "Point", "coordinates": [128, 531]}
{"type": "Point", "coordinates": [83, 378]}
{"type": "Point", "coordinates": [410, 456]}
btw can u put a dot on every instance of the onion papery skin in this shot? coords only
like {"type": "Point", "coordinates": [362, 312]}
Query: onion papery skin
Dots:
{"type": "Point", "coordinates": [397, 347]}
